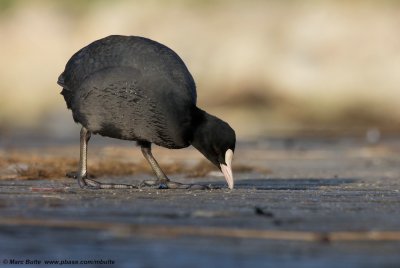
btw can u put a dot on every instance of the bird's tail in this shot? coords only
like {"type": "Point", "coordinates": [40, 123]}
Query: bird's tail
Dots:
{"type": "Point", "coordinates": [68, 94]}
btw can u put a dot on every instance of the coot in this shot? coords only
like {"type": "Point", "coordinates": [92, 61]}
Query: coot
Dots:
{"type": "Point", "coordinates": [133, 88]}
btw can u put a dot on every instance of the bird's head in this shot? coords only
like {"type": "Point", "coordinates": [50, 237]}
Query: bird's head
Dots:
{"type": "Point", "coordinates": [216, 140]}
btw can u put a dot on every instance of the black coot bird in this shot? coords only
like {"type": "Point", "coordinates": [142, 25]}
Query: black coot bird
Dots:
{"type": "Point", "coordinates": [133, 88]}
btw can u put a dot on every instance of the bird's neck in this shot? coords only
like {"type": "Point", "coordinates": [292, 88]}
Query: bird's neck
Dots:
{"type": "Point", "coordinates": [201, 130]}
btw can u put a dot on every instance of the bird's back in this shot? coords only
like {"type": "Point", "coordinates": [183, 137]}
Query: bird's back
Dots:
{"type": "Point", "coordinates": [130, 88]}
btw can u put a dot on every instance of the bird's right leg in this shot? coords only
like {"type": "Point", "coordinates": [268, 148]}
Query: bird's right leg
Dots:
{"type": "Point", "coordinates": [162, 181]}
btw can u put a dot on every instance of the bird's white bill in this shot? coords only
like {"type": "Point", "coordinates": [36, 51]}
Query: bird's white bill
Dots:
{"type": "Point", "coordinates": [227, 169]}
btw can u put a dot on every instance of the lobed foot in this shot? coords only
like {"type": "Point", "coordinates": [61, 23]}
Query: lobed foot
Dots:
{"type": "Point", "coordinates": [86, 183]}
{"type": "Point", "coordinates": [94, 185]}
{"type": "Point", "coordinates": [174, 185]}
{"type": "Point", "coordinates": [90, 184]}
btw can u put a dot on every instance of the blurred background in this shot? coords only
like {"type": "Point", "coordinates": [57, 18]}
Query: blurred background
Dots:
{"type": "Point", "coordinates": [269, 68]}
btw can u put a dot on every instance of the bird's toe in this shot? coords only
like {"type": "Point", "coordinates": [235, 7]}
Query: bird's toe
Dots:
{"type": "Point", "coordinates": [150, 183]}
{"type": "Point", "coordinates": [87, 183]}
{"type": "Point", "coordinates": [199, 187]}
{"type": "Point", "coordinates": [177, 185]}
{"type": "Point", "coordinates": [174, 185]}
{"type": "Point", "coordinates": [90, 187]}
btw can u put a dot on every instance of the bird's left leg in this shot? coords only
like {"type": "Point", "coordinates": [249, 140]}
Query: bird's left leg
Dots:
{"type": "Point", "coordinates": [83, 181]}
{"type": "Point", "coordinates": [162, 180]}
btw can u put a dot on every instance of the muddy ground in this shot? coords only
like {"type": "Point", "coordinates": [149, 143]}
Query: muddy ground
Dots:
{"type": "Point", "coordinates": [297, 203]}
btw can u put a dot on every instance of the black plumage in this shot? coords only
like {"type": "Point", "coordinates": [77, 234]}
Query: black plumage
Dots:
{"type": "Point", "coordinates": [133, 88]}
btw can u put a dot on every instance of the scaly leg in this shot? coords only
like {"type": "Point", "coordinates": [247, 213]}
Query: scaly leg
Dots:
{"type": "Point", "coordinates": [83, 181]}
{"type": "Point", "coordinates": [162, 181]}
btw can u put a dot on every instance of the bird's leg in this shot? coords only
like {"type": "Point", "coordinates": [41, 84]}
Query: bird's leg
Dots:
{"type": "Point", "coordinates": [162, 180]}
{"type": "Point", "coordinates": [84, 139]}
{"type": "Point", "coordinates": [83, 181]}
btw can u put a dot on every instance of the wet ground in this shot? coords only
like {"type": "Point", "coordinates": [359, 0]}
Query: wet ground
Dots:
{"type": "Point", "coordinates": [297, 203]}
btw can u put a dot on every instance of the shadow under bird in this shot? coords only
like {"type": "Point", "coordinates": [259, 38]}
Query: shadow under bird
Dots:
{"type": "Point", "coordinates": [133, 88]}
